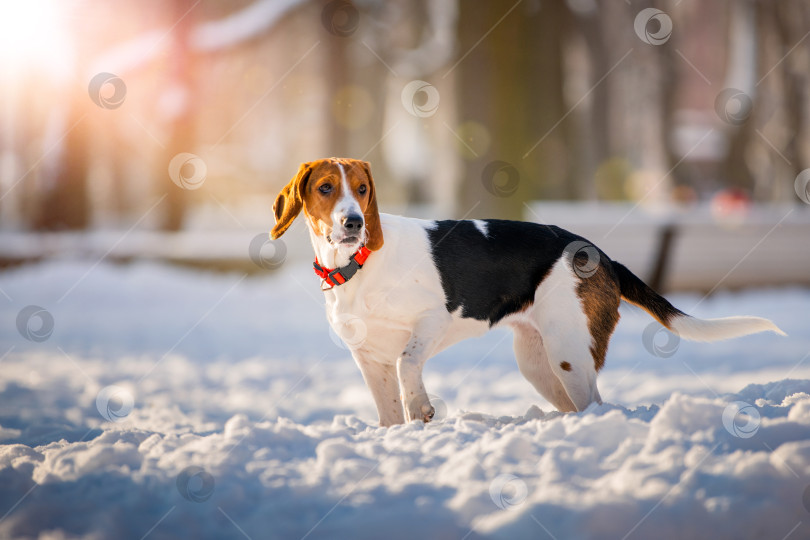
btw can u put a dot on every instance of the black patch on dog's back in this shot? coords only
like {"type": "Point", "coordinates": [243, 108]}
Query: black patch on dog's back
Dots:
{"type": "Point", "coordinates": [491, 277]}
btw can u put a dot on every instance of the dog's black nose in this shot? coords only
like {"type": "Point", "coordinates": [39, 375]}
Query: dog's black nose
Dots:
{"type": "Point", "coordinates": [353, 222]}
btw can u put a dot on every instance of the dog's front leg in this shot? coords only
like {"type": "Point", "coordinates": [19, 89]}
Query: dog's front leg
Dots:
{"type": "Point", "coordinates": [426, 334]}
{"type": "Point", "coordinates": [381, 379]}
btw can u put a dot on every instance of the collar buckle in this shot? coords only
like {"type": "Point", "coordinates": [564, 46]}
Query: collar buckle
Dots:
{"type": "Point", "coordinates": [345, 273]}
{"type": "Point", "coordinates": [338, 276]}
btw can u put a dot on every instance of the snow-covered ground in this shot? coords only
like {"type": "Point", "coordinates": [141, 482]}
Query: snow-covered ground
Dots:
{"type": "Point", "coordinates": [172, 403]}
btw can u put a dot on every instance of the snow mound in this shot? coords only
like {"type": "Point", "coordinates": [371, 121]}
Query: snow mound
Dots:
{"type": "Point", "coordinates": [187, 405]}
{"type": "Point", "coordinates": [678, 471]}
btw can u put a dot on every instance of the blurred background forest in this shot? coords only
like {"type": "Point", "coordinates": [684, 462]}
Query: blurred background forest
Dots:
{"type": "Point", "coordinates": [191, 115]}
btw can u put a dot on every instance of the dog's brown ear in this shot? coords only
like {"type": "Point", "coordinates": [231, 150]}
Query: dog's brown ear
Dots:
{"type": "Point", "coordinates": [374, 241]}
{"type": "Point", "coordinates": [290, 201]}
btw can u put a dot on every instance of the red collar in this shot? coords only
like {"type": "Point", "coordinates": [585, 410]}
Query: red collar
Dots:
{"type": "Point", "coordinates": [338, 276]}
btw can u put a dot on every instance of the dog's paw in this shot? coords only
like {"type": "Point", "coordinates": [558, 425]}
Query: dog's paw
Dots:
{"type": "Point", "coordinates": [420, 409]}
{"type": "Point", "coordinates": [427, 413]}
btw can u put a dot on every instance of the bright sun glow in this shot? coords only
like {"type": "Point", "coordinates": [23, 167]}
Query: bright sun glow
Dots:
{"type": "Point", "coordinates": [33, 37]}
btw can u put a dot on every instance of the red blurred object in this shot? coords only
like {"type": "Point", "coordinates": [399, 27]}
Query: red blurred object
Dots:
{"type": "Point", "coordinates": [730, 203]}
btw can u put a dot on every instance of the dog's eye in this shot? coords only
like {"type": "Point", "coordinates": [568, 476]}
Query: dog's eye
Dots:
{"type": "Point", "coordinates": [325, 189]}
{"type": "Point", "coordinates": [362, 190]}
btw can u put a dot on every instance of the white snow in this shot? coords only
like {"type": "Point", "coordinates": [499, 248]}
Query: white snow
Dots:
{"type": "Point", "coordinates": [249, 419]}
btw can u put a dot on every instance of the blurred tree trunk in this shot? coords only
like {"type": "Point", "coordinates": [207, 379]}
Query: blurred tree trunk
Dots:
{"type": "Point", "coordinates": [781, 105]}
{"type": "Point", "coordinates": [737, 170]}
{"type": "Point", "coordinates": [64, 203]}
{"type": "Point", "coordinates": [182, 136]}
{"type": "Point", "coordinates": [597, 129]}
{"type": "Point", "coordinates": [792, 21]}
{"type": "Point", "coordinates": [338, 76]}
{"type": "Point", "coordinates": [669, 105]}
{"type": "Point", "coordinates": [511, 83]}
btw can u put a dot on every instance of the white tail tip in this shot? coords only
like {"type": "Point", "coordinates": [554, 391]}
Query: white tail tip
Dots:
{"type": "Point", "coordinates": [718, 329]}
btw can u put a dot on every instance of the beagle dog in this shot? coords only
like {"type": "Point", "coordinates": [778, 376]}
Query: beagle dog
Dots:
{"type": "Point", "coordinates": [399, 290]}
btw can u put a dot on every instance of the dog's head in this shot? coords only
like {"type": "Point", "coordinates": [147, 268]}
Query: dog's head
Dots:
{"type": "Point", "coordinates": [338, 198]}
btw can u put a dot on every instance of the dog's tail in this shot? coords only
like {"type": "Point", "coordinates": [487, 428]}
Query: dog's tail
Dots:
{"type": "Point", "coordinates": [640, 294]}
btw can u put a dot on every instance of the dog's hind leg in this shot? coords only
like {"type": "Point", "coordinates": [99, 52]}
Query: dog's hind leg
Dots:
{"type": "Point", "coordinates": [560, 316]}
{"type": "Point", "coordinates": [569, 358]}
{"type": "Point", "coordinates": [533, 364]}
